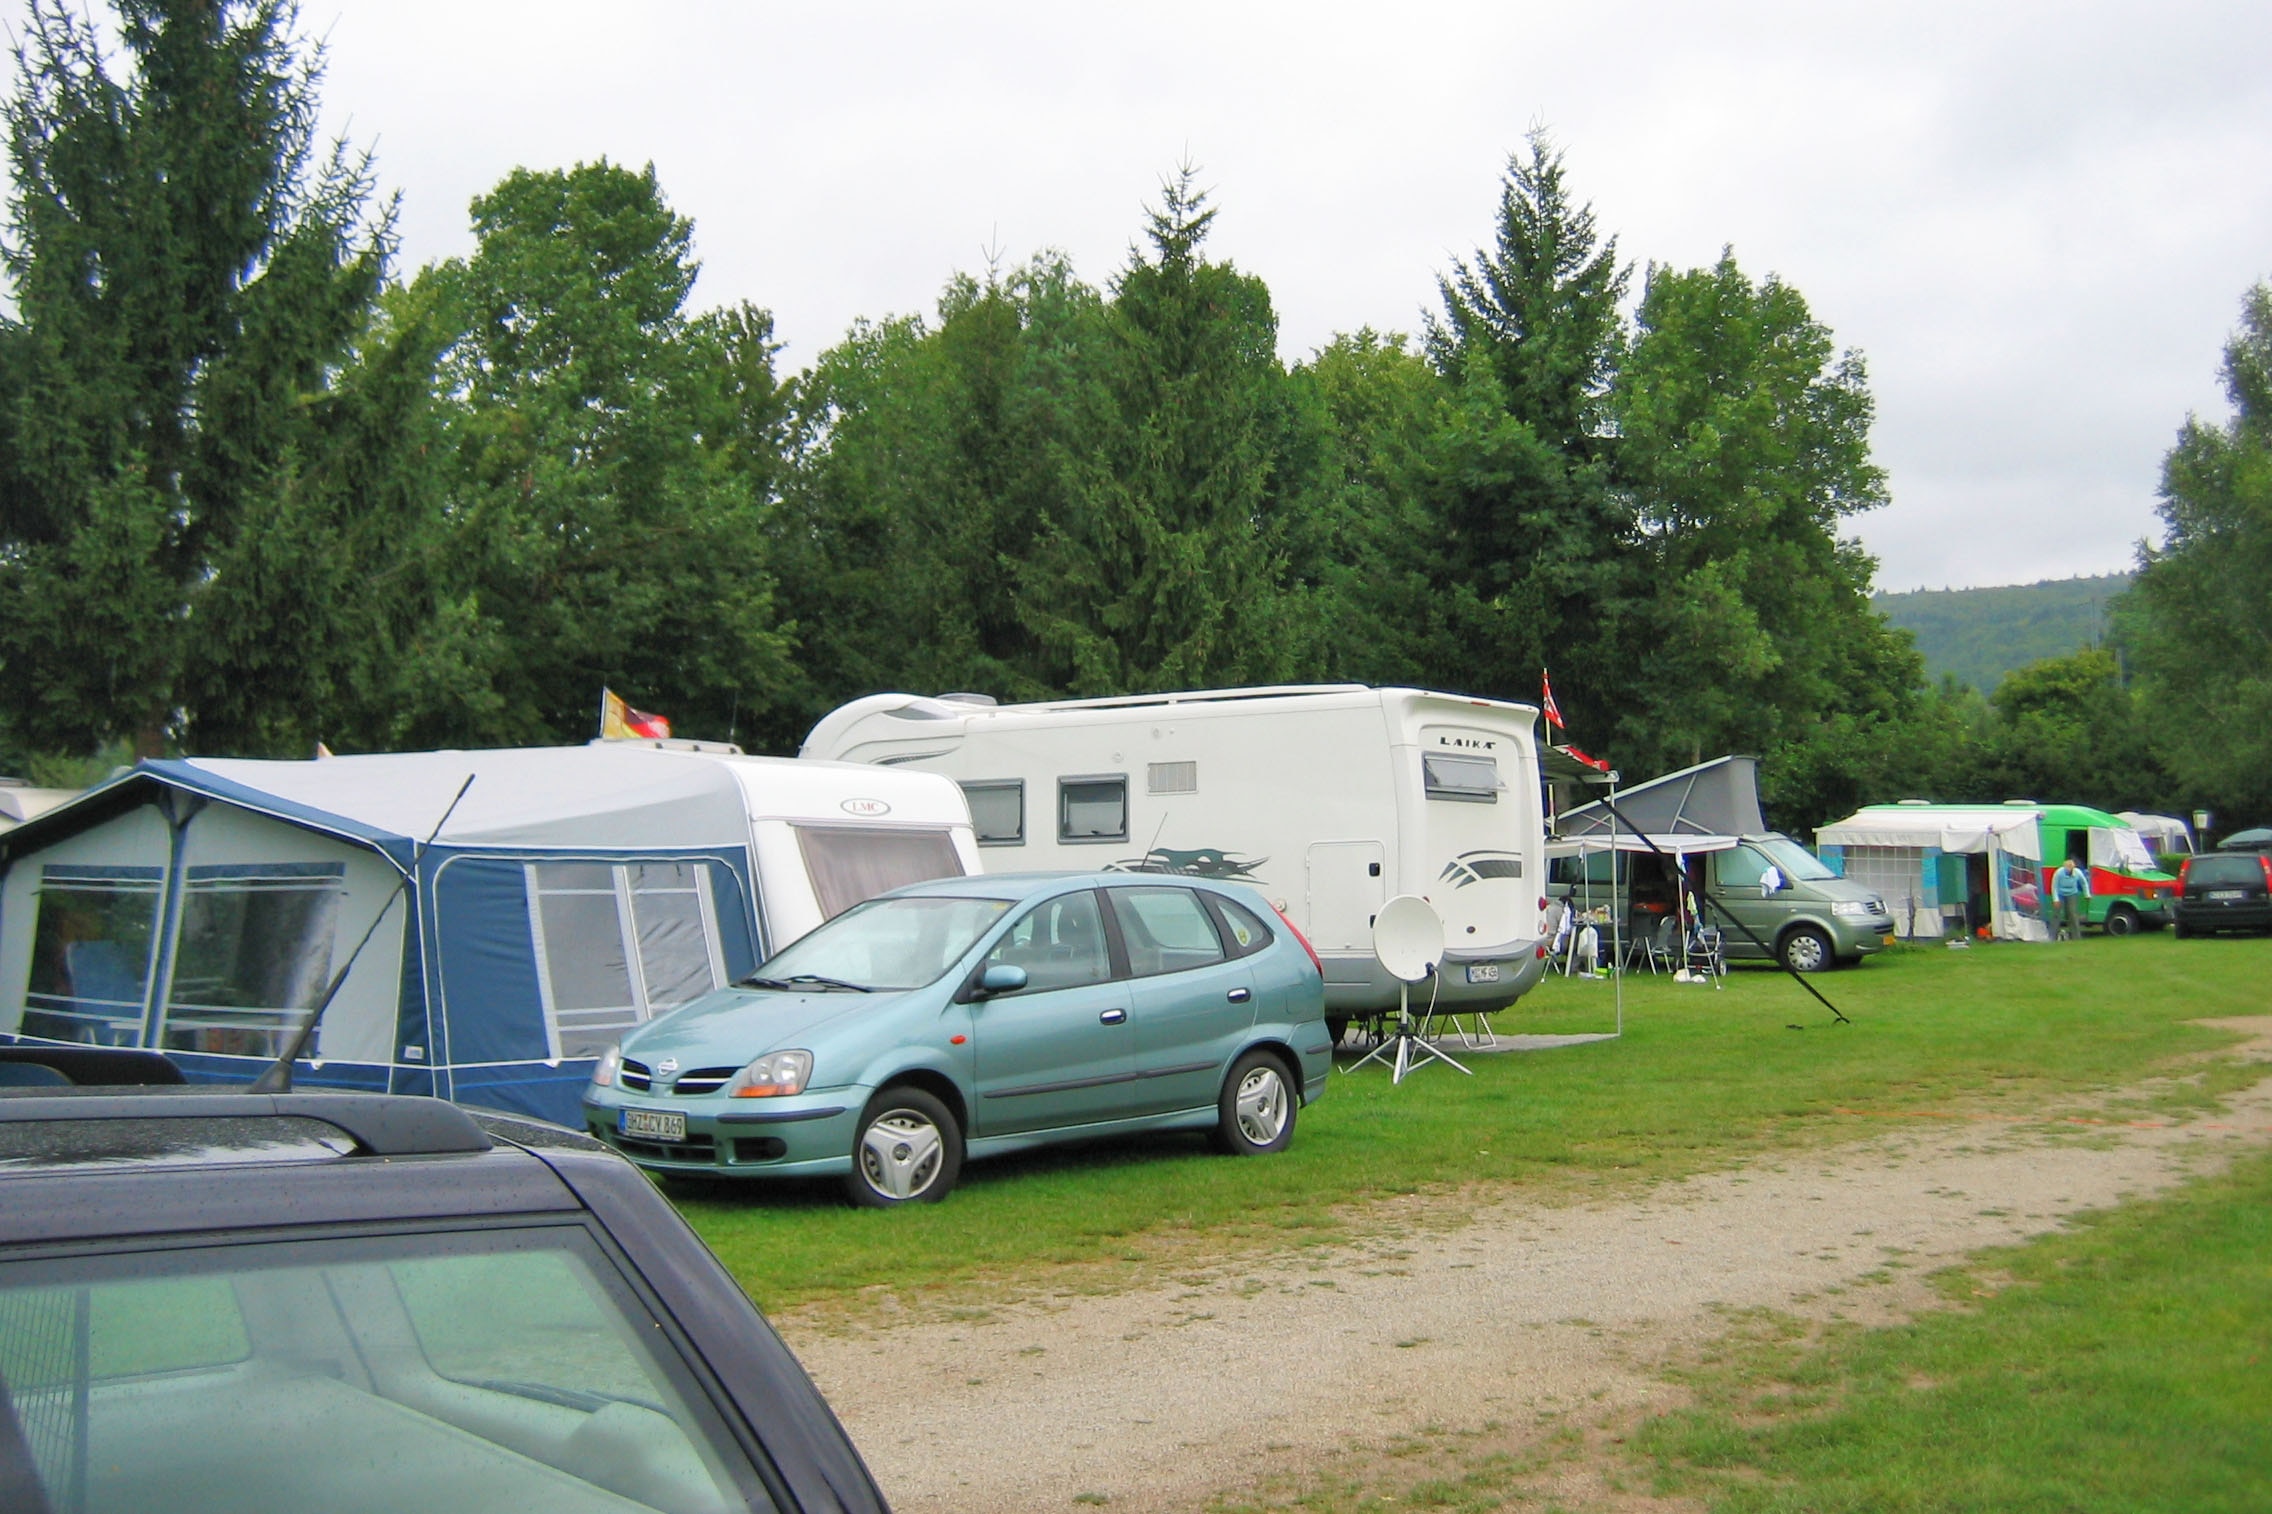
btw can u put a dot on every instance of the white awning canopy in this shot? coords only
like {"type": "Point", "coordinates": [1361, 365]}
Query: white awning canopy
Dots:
{"type": "Point", "coordinates": [1948, 828]}
{"type": "Point", "coordinates": [1627, 841]}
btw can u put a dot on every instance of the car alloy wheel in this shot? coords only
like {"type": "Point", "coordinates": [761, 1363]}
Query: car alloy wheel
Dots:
{"type": "Point", "coordinates": [1256, 1112]}
{"type": "Point", "coordinates": [908, 1151]}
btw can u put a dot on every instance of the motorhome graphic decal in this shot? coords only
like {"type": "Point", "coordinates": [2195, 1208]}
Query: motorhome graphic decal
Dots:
{"type": "Point", "coordinates": [1206, 862]}
{"type": "Point", "coordinates": [1474, 867]}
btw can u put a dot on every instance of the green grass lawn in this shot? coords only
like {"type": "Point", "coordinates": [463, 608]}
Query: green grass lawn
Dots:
{"type": "Point", "coordinates": [2124, 1365]}
{"type": "Point", "coordinates": [1700, 1080]}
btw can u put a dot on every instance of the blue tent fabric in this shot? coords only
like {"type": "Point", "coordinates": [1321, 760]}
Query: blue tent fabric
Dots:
{"type": "Point", "coordinates": [469, 1017]}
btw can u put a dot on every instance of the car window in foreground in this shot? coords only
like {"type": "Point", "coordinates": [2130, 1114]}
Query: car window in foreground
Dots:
{"type": "Point", "coordinates": [506, 1370]}
{"type": "Point", "coordinates": [885, 944]}
{"type": "Point", "coordinates": [2221, 872]}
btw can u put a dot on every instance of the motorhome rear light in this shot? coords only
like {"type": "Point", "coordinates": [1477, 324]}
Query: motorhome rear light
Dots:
{"type": "Point", "coordinates": [1298, 936]}
{"type": "Point", "coordinates": [1541, 951]}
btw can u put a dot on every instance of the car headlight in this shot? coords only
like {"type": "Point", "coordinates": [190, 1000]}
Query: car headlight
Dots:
{"type": "Point", "coordinates": [774, 1075]}
{"type": "Point", "coordinates": [611, 1063]}
{"type": "Point", "coordinates": [1856, 909]}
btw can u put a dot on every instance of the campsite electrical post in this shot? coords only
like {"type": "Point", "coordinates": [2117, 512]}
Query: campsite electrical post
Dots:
{"type": "Point", "coordinates": [277, 1076]}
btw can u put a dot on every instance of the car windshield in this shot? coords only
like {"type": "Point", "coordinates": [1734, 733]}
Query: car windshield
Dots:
{"type": "Point", "coordinates": [1798, 864]}
{"type": "Point", "coordinates": [883, 944]}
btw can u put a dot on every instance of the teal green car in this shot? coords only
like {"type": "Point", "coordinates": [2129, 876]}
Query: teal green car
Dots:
{"type": "Point", "coordinates": [969, 1017]}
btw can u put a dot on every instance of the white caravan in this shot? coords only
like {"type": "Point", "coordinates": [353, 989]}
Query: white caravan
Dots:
{"type": "Point", "coordinates": [1329, 799]}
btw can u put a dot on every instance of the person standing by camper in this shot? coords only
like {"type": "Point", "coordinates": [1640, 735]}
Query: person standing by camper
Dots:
{"type": "Point", "coordinates": [2070, 886]}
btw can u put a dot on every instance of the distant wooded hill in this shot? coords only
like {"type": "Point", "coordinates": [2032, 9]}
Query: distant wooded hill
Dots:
{"type": "Point", "coordinates": [1981, 634]}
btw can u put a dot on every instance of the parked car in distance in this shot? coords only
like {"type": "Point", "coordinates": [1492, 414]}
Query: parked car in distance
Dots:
{"type": "Point", "coordinates": [969, 1017]}
{"type": "Point", "coordinates": [218, 1302]}
{"type": "Point", "coordinates": [2225, 891]}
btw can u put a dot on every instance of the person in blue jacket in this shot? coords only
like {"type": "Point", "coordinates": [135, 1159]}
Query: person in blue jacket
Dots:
{"type": "Point", "coordinates": [2070, 886]}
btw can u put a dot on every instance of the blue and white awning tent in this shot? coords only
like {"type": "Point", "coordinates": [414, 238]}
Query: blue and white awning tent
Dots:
{"type": "Point", "coordinates": [202, 906]}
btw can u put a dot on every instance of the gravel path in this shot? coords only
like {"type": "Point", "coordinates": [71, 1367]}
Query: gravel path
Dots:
{"type": "Point", "coordinates": [1157, 1398]}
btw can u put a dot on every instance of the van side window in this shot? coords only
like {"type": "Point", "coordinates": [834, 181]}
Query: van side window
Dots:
{"type": "Point", "coordinates": [998, 811]}
{"type": "Point", "coordinates": [1092, 809]}
{"type": "Point", "coordinates": [1740, 867]}
{"type": "Point", "coordinates": [1166, 930]}
{"type": "Point", "coordinates": [1461, 776]}
{"type": "Point", "coordinates": [1060, 944]}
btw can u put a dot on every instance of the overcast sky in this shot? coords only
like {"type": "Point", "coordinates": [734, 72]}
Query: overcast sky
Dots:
{"type": "Point", "coordinates": [2036, 222]}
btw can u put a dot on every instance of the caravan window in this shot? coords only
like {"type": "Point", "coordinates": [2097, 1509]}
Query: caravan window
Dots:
{"type": "Point", "coordinates": [998, 811]}
{"type": "Point", "coordinates": [618, 943]}
{"type": "Point", "coordinates": [254, 955]}
{"type": "Point", "coordinates": [91, 953]}
{"type": "Point", "coordinates": [1092, 809]}
{"type": "Point", "coordinates": [1469, 779]}
{"type": "Point", "coordinates": [853, 863]}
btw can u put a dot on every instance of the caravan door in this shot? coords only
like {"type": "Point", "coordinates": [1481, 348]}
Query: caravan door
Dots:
{"type": "Point", "coordinates": [1346, 889]}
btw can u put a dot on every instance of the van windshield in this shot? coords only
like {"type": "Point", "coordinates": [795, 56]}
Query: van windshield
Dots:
{"type": "Point", "coordinates": [883, 944]}
{"type": "Point", "coordinates": [1798, 864]}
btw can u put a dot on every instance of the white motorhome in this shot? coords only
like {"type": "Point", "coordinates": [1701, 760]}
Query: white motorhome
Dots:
{"type": "Point", "coordinates": [1329, 799]}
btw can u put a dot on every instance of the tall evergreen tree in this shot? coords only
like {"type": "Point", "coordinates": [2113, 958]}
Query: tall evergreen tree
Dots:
{"type": "Point", "coordinates": [1159, 567]}
{"type": "Point", "coordinates": [1533, 544]}
{"type": "Point", "coordinates": [2199, 616]}
{"type": "Point", "coordinates": [188, 268]}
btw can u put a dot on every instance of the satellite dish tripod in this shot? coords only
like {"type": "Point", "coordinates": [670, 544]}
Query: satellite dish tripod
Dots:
{"type": "Point", "coordinates": [1408, 938]}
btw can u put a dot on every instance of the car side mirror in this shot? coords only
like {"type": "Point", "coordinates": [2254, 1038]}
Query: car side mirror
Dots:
{"type": "Point", "coordinates": [1001, 978]}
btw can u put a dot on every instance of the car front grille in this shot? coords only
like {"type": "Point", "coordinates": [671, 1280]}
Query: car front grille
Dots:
{"type": "Point", "coordinates": [704, 1080]}
{"type": "Point", "coordinates": [636, 1076]}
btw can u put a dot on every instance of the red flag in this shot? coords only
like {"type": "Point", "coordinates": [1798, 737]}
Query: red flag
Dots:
{"type": "Point", "coordinates": [1598, 764]}
{"type": "Point", "coordinates": [1546, 704]}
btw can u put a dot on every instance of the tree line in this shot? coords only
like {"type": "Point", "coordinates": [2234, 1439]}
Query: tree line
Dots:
{"type": "Point", "coordinates": [259, 489]}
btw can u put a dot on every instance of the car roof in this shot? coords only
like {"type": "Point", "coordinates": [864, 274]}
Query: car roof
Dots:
{"type": "Point", "coordinates": [1017, 887]}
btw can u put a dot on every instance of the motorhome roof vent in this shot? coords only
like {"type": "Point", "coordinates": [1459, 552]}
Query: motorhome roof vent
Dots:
{"type": "Point", "coordinates": [2024, 803]}
{"type": "Point", "coordinates": [986, 701]}
{"type": "Point", "coordinates": [1913, 801]}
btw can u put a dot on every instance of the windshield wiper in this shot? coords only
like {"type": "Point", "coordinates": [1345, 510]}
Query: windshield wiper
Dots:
{"type": "Point", "coordinates": [803, 980]}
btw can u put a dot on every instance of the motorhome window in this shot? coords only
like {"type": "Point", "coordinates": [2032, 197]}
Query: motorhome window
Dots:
{"type": "Point", "coordinates": [1092, 809]}
{"type": "Point", "coordinates": [518, 1363]}
{"type": "Point", "coordinates": [1171, 778]}
{"type": "Point", "coordinates": [91, 953]}
{"type": "Point", "coordinates": [1797, 863]}
{"type": "Point", "coordinates": [1470, 780]}
{"type": "Point", "coordinates": [1059, 942]}
{"type": "Point", "coordinates": [1166, 930]}
{"type": "Point", "coordinates": [618, 943]}
{"type": "Point", "coordinates": [254, 955]}
{"type": "Point", "coordinates": [998, 811]}
{"type": "Point", "coordinates": [851, 863]}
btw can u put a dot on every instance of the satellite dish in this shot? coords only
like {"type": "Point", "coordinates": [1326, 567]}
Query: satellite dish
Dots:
{"type": "Point", "coordinates": [1408, 937]}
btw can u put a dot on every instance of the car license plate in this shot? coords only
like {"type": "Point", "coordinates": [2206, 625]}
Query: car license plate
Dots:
{"type": "Point", "coordinates": [2228, 893]}
{"type": "Point", "coordinates": [655, 1124]}
{"type": "Point", "coordinates": [1482, 972]}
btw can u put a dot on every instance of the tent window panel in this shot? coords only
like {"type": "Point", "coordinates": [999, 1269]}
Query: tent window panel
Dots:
{"type": "Point", "coordinates": [583, 951]}
{"type": "Point", "coordinates": [253, 956]}
{"type": "Point", "coordinates": [1468, 780]}
{"type": "Point", "coordinates": [618, 943]}
{"type": "Point", "coordinates": [852, 864]}
{"type": "Point", "coordinates": [91, 949]}
{"type": "Point", "coordinates": [678, 957]}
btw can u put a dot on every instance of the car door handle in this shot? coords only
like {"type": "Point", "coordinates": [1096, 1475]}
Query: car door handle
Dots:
{"type": "Point", "coordinates": [1114, 1016]}
{"type": "Point", "coordinates": [1239, 995]}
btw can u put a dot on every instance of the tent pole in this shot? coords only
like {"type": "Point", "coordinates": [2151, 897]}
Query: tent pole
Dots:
{"type": "Point", "coordinates": [1616, 916]}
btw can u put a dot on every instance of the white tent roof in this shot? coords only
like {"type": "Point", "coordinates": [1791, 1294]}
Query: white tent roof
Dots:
{"type": "Point", "coordinates": [1949, 827]}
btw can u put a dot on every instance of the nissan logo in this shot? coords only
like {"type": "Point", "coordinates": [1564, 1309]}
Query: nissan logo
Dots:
{"type": "Point", "coordinates": [868, 807]}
